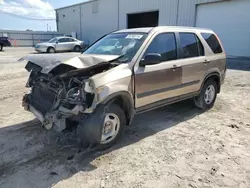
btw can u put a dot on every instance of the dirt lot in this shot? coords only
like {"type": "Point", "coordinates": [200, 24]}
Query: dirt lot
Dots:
{"type": "Point", "coordinates": [175, 146]}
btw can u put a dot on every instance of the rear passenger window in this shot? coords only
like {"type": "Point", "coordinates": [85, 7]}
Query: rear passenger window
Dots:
{"type": "Point", "coordinates": [191, 45]}
{"type": "Point", "coordinates": [213, 42]}
{"type": "Point", "coordinates": [164, 44]}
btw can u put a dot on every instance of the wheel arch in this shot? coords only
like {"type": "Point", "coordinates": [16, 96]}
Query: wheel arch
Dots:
{"type": "Point", "coordinates": [125, 101]}
{"type": "Point", "coordinates": [214, 76]}
{"type": "Point", "coordinates": [50, 47]}
{"type": "Point", "coordinates": [77, 45]}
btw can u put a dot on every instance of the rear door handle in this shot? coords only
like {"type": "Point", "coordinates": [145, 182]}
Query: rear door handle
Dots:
{"type": "Point", "coordinates": [206, 61]}
{"type": "Point", "coordinates": [175, 67]}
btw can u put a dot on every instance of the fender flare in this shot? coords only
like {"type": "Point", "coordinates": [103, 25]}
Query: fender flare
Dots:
{"type": "Point", "coordinates": [128, 103]}
{"type": "Point", "coordinates": [48, 47]}
{"type": "Point", "coordinates": [209, 76]}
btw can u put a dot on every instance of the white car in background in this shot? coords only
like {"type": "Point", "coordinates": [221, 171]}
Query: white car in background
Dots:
{"type": "Point", "coordinates": [60, 44]}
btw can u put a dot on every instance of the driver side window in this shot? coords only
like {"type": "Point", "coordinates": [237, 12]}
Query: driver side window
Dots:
{"type": "Point", "coordinates": [165, 45]}
{"type": "Point", "coordinates": [62, 40]}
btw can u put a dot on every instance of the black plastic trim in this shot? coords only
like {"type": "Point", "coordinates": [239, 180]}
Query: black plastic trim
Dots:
{"type": "Point", "coordinates": [154, 92]}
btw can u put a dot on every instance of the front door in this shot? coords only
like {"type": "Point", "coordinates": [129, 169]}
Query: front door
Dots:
{"type": "Point", "coordinates": [154, 83]}
{"type": "Point", "coordinates": [62, 44]}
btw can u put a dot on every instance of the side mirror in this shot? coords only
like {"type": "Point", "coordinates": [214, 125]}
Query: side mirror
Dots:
{"type": "Point", "coordinates": [151, 59]}
{"type": "Point", "coordinates": [57, 42]}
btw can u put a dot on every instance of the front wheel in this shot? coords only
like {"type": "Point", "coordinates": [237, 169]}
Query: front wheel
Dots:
{"type": "Point", "coordinates": [77, 48]}
{"type": "Point", "coordinates": [51, 50]}
{"type": "Point", "coordinates": [207, 96]}
{"type": "Point", "coordinates": [1, 47]}
{"type": "Point", "coordinates": [103, 128]}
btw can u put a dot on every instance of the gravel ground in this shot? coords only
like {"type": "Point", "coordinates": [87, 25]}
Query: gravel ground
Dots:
{"type": "Point", "coordinates": [175, 146]}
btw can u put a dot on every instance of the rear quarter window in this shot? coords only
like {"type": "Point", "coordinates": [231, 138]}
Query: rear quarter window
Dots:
{"type": "Point", "coordinates": [213, 42]}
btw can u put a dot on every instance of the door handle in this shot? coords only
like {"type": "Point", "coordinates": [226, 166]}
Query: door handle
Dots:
{"type": "Point", "coordinates": [175, 67]}
{"type": "Point", "coordinates": [206, 61]}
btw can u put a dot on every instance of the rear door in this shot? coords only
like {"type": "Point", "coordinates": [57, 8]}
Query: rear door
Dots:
{"type": "Point", "coordinates": [155, 83]}
{"type": "Point", "coordinates": [193, 62]}
{"type": "Point", "coordinates": [72, 44]}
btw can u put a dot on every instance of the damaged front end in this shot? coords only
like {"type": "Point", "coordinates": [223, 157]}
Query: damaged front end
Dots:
{"type": "Point", "coordinates": [62, 91]}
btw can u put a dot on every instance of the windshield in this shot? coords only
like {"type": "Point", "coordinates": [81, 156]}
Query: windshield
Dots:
{"type": "Point", "coordinates": [53, 40]}
{"type": "Point", "coordinates": [121, 44]}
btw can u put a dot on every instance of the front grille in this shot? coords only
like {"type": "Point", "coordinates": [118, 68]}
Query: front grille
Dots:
{"type": "Point", "coordinates": [42, 99]}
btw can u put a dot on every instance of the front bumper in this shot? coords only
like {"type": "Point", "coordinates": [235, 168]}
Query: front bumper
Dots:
{"type": "Point", "coordinates": [41, 49]}
{"type": "Point", "coordinates": [27, 106]}
{"type": "Point", "coordinates": [55, 119]}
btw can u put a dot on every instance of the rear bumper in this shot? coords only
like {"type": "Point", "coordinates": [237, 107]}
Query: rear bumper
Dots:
{"type": "Point", "coordinates": [222, 79]}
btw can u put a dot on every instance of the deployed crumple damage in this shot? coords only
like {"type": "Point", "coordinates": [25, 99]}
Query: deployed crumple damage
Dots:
{"type": "Point", "coordinates": [61, 87]}
{"type": "Point", "coordinates": [83, 61]}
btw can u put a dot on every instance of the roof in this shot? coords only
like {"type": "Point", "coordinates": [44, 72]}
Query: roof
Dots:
{"type": "Point", "coordinates": [77, 4]}
{"type": "Point", "coordinates": [160, 28]}
{"type": "Point", "coordinates": [63, 37]}
{"type": "Point", "coordinates": [139, 30]}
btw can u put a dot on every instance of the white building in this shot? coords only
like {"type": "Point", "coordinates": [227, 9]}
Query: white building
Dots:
{"type": "Point", "coordinates": [230, 19]}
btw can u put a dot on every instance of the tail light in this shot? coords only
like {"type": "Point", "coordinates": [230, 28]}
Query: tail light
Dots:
{"type": "Point", "coordinates": [220, 43]}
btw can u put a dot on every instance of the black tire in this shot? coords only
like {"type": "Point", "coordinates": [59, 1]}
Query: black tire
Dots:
{"type": "Point", "coordinates": [89, 132]}
{"type": "Point", "coordinates": [1, 47]}
{"type": "Point", "coordinates": [51, 50]}
{"type": "Point", "coordinates": [77, 48]}
{"type": "Point", "coordinates": [200, 101]}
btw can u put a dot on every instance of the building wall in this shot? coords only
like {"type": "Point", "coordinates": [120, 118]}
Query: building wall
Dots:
{"type": "Point", "coordinates": [112, 15]}
{"type": "Point", "coordinates": [68, 20]}
{"type": "Point", "coordinates": [98, 18]}
{"type": "Point", "coordinates": [167, 10]}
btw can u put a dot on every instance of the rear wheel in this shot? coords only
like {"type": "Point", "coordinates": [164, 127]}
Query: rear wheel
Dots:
{"type": "Point", "coordinates": [51, 50]}
{"type": "Point", "coordinates": [1, 47]}
{"type": "Point", "coordinates": [207, 96]}
{"type": "Point", "coordinates": [77, 49]}
{"type": "Point", "coordinates": [102, 129]}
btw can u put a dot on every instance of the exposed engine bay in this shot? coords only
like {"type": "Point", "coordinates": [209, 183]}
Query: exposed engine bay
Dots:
{"type": "Point", "coordinates": [62, 93]}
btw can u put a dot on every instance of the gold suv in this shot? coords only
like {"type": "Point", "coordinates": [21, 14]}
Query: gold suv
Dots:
{"type": "Point", "coordinates": [122, 74]}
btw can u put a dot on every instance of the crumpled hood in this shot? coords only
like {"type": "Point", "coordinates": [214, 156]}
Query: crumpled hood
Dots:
{"type": "Point", "coordinates": [49, 61]}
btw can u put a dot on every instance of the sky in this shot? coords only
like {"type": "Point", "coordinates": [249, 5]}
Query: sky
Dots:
{"type": "Point", "coordinates": [40, 14]}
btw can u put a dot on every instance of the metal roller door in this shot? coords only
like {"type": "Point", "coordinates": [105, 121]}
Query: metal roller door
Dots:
{"type": "Point", "coordinates": [231, 21]}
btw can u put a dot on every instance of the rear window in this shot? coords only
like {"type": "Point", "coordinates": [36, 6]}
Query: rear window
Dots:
{"type": "Point", "coordinates": [213, 42]}
{"type": "Point", "coordinates": [191, 45]}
